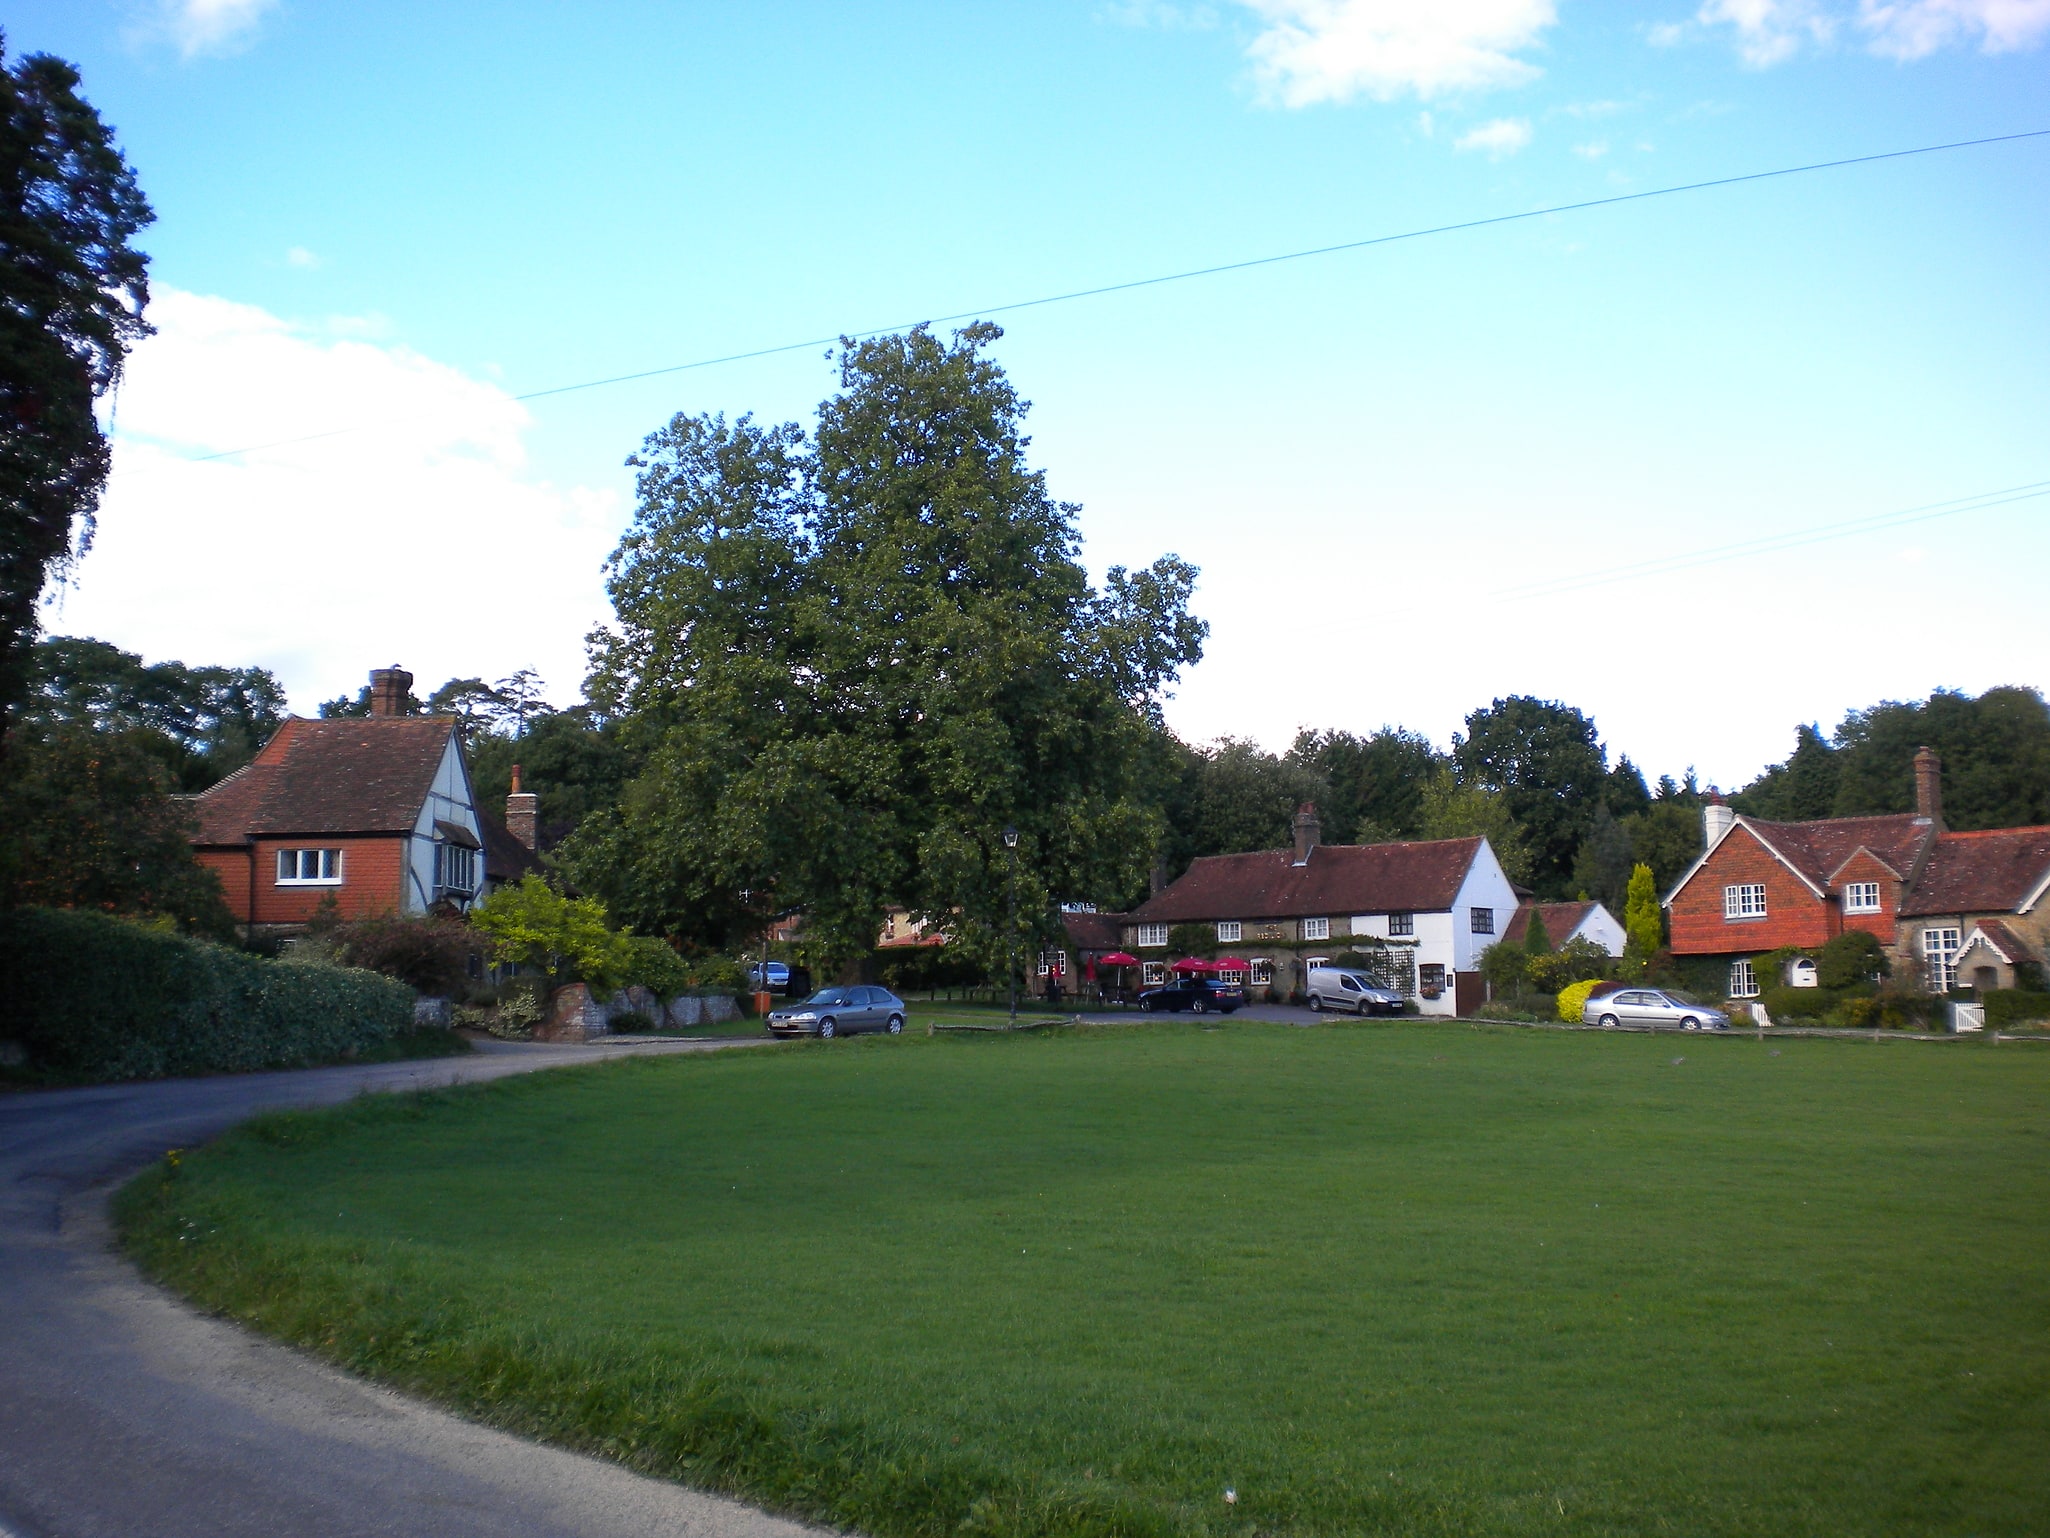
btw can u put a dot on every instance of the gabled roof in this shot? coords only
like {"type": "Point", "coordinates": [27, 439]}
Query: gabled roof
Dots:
{"type": "Point", "coordinates": [1816, 851]}
{"type": "Point", "coordinates": [1094, 931]}
{"type": "Point", "coordinates": [359, 775]}
{"type": "Point", "coordinates": [1337, 878]}
{"type": "Point", "coordinates": [1996, 871]}
{"type": "Point", "coordinates": [2001, 940]}
{"type": "Point", "coordinates": [1559, 919]}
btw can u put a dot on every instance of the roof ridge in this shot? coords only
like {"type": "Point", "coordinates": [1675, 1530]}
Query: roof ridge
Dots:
{"type": "Point", "coordinates": [2033, 827]}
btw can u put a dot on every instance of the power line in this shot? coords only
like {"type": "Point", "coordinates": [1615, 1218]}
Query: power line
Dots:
{"type": "Point", "coordinates": [1015, 305]}
{"type": "Point", "coordinates": [1794, 539]}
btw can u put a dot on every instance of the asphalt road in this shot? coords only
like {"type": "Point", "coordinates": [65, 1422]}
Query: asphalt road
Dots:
{"type": "Point", "coordinates": [123, 1413]}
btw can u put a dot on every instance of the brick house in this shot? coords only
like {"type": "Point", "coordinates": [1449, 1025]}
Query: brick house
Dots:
{"type": "Point", "coordinates": [1437, 905]}
{"type": "Point", "coordinates": [1927, 894]}
{"type": "Point", "coordinates": [377, 813]}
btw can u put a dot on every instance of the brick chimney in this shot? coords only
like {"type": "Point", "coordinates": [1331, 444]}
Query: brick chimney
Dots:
{"type": "Point", "coordinates": [1929, 786]}
{"type": "Point", "coordinates": [1716, 819]}
{"type": "Point", "coordinates": [523, 813]}
{"type": "Point", "coordinates": [389, 689]}
{"type": "Point", "coordinates": [1307, 831]}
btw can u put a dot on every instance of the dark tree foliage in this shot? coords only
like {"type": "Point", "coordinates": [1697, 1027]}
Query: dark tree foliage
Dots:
{"type": "Point", "coordinates": [1995, 748]}
{"type": "Point", "coordinates": [72, 292]}
{"type": "Point", "coordinates": [1602, 867]}
{"type": "Point", "coordinates": [1544, 760]}
{"type": "Point", "coordinates": [1373, 786]}
{"type": "Point", "coordinates": [343, 708]}
{"type": "Point", "coordinates": [576, 764]}
{"type": "Point", "coordinates": [1801, 789]}
{"type": "Point", "coordinates": [91, 823]}
{"type": "Point", "coordinates": [1624, 793]}
{"type": "Point", "coordinates": [1667, 836]}
{"type": "Point", "coordinates": [845, 662]}
{"type": "Point", "coordinates": [208, 721]}
{"type": "Point", "coordinates": [1246, 799]}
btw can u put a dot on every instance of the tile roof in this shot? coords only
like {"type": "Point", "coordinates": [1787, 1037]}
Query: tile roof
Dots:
{"type": "Point", "coordinates": [360, 775]}
{"type": "Point", "coordinates": [1337, 878]}
{"type": "Point", "coordinates": [1817, 849]}
{"type": "Point", "coordinates": [1094, 931]}
{"type": "Point", "coordinates": [2010, 946]}
{"type": "Point", "coordinates": [1559, 919]}
{"type": "Point", "coordinates": [1989, 872]}
{"type": "Point", "coordinates": [505, 857]}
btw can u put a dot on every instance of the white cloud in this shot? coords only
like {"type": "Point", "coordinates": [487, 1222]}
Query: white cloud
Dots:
{"type": "Point", "coordinates": [1503, 136]}
{"type": "Point", "coordinates": [1770, 31]}
{"type": "Point", "coordinates": [423, 539]}
{"type": "Point", "coordinates": [1333, 50]}
{"type": "Point", "coordinates": [299, 256]}
{"type": "Point", "coordinates": [196, 27]}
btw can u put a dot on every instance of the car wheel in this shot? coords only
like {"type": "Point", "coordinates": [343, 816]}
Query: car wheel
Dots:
{"type": "Point", "coordinates": [1690, 1024]}
{"type": "Point", "coordinates": [1197, 1007]}
{"type": "Point", "coordinates": [828, 1027]}
{"type": "Point", "coordinates": [896, 1025]}
{"type": "Point", "coordinates": [1316, 1005]}
{"type": "Point", "coordinates": [1366, 1008]}
{"type": "Point", "coordinates": [1610, 1022]}
{"type": "Point", "coordinates": [1145, 1006]}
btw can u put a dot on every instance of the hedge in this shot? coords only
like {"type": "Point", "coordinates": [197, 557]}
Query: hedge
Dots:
{"type": "Point", "coordinates": [89, 997]}
{"type": "Point", "coordinates": [2014, 1006]}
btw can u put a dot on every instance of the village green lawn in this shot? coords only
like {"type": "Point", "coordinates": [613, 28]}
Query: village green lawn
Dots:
{"type": "Point", "coordinates": [1374, 1278]}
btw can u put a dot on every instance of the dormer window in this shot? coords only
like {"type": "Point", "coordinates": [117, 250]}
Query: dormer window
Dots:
{"type": "Point", "coordinates": [1861, 897]}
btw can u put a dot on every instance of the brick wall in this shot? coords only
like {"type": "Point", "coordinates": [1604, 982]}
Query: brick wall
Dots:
{"type": "Point", "coordinates": [1794, 914]}
{"type": "Point", "coordinates": [373, 879]}
{"type": "Point", "coordinates": [1863, 867]}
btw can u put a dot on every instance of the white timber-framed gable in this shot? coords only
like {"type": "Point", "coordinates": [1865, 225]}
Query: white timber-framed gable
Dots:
{"type": "Point", "coordinates": [446, 838]}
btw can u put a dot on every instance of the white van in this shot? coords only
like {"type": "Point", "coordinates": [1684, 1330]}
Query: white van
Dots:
{"type": "Point", "coordinates": [1353, 993]}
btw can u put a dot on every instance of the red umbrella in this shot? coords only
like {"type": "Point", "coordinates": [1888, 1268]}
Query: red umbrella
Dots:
{"type": "Point", "coordinates": [1120, 959]}
{"type": "Point", "coordinates": [1189, 964]}
{"type": "Point", "coordinates": [1233, 964]}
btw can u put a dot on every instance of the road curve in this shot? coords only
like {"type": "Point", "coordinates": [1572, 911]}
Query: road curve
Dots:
{"type": "Point", "coordinates": [125, 1414]}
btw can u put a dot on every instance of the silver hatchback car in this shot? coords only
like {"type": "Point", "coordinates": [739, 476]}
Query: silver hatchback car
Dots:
{"type": "Point", "coordinates": [840, 1012]}
{"type": "Point", "coordinates": [1665, 1007]}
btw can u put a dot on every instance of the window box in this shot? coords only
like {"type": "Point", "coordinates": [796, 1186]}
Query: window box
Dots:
{"type": "Point", "coordinates": [1430, 980]}
{"type": "Point", "coordinates": [1744, 902]}
{"type": "Point", "coordinates": [309, 867]}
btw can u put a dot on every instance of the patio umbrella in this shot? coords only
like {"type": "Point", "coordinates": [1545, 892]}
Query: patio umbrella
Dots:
{"type": "Point", "coordinates": [1233, 964]}
{"type": "Point", "coordinates": [1190, 964]}
{"type": "Point", "coordinates": [1120, 959]}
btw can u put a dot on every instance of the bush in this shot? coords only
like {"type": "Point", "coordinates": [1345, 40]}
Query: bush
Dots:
{"type": "Point", "coordinates": [1576, 961]}
{"type": "Point", "coordinates": [655, 965]}
{"type": "Point", "coordinates": [1852, 957]}
{"type": "Point", "coordinates": [93, 998]}
{"type": "Point", "coordinates": [1786, 1003]}
{"type": "Point", "coordinates": [428, 954]}
{"type": "Point", "coordinates": [2014, 1006]}
{"type": "Point", "coordinates": [1573, 999]}
{"type": "Point", "coordinates": [569, 938]}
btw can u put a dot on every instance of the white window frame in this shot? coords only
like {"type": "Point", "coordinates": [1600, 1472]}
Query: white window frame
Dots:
{"type": "Point", "coordinates": [1744, 901]}
{"type": "Point", "coordinates": [1227, 931]}
{"type": "Point", "coordinates": [1152, 973]}
{"type": "Point", "coordinates": [1401, 925]}
{"type": "Point", "coordinates": [326, 863]}
{"type": "Point", "coordinates": [1317, 929]}
{"type": "Point", "coordinates": [449, 855]}
{"type": "Point", "coordinates": [1481, 920]}
{"type": "Point", "coordinates": [1861, 897]}
{"type": "Point", "coordinates": [1262, 975]}
{"type": "Point", "coordinates": [1052, 961]}
{"type": "Point", "coordinates": [1233, 976]}
{"type": "Point", "coordinates": [1149, 936]}
{"type": "Point", "coordinates": [1940, 949]}
{"type": "Point", "coordinates": [1743, 979]}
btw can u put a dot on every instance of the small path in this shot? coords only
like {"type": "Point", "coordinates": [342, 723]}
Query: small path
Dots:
{"type": "Point", "coordinates": [126, 1414]}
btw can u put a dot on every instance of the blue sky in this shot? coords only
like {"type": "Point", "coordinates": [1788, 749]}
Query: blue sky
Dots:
{"type": "Point", "coordinates": [401, 215]}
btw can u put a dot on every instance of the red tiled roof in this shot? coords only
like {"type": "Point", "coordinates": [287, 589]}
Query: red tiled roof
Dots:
{"type": "Point", "coordinates": [1816, 849]}
{"type": "Point", "coordinates": [1338, 878]}
{"type": "Point", "coordinates": [505, 857]}
{"type": "Point", "coordinates": [360, 775]}
{"type": "Point", "coordinates": [1989, 872]}
{"type": "Point", "coordinates": [1094, 931]}
{"type": "Point", "coordinates": [1559, 919]}
{"type": "Point", "coordinates": [2011, 946]}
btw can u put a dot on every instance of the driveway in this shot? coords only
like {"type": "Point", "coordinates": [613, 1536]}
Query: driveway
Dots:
{"type": "Point", "coordinates": [123, 1413]}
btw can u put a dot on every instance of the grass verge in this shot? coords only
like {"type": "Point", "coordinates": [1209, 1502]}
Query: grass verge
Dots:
{"type": "Point", "coordinates": [1389, 1278]}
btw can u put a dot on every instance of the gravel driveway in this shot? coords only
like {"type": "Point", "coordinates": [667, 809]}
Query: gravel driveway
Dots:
{"type": "Point", "coordinates": [123, 1413]}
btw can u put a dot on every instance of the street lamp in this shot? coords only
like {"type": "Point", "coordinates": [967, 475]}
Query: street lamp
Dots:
{"type": "Point", "coordinates": [1011, 843]}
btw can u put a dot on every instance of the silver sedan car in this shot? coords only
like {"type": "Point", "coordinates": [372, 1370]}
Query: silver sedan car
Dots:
{"type": "Point", "coordinates": [1665, 1007]}
{"type": "Point", "coordinates": [840, 1012]}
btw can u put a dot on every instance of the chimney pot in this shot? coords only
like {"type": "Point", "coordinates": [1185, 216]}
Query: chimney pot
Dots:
{"type": "Point", "coordinates": [389, 689]}
{"type": "Point", "coordinates": [523, 813]}
{"type": "Point", "coordinates": [1717, 819]}
{"type": "Point", "coordinates": [1929, 786]}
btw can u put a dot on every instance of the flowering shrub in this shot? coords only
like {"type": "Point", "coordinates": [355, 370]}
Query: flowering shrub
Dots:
{"type": "Point", "coordinates": [1573, 999]}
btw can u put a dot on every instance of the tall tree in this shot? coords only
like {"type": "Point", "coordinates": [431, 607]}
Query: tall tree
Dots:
{"type": "Point", "coordinates": [1995, 748]}
{"type": "Point", "coordinates": [1799, 790]}
{"type": "Point", "coordinates": [1453, 810]}
{"type": "Point", "coordinates": [1374, 786]}
{"type": "Point", "coordinates": [1246, 798]}
{"type": "Point", "coordinates": [1642, 930]}
{"type": "Point", "coordinates": [1544, 760]}
{"type": "Point", "coordinates": [72, 292]}
{"type": "Point", "coordinates": [852, 661]}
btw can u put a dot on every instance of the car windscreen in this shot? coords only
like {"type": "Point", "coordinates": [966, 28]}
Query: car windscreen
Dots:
{"type": "Point", "coordinates": [832, 996]}
{"type": "Point", "coordinates": [1682, 998]}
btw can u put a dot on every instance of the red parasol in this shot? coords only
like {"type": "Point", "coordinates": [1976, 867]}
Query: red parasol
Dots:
{"type": "Point", "coordinates": [1190, 964]}
{"type": "Point", "coordinates": [1233, 964]}
{"type": "Point", "coordinates": [1120, 959]}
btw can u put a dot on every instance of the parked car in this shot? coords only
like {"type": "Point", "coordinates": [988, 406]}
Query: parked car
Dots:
{"type": "Point", "coordinates": [1655, 1007]}
{"type": "Point", "coordinates": [777, 977]}
{"type": "Point", "coordinates": [1353, 993]}
{"type": "Point", "coordinates": [840, 1012]}
{"type": "Point", "coordinates": [1198, 995]}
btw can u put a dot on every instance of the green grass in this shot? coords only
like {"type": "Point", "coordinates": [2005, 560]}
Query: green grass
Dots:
{"type": "Point", "coordinates": [1377, 1278]}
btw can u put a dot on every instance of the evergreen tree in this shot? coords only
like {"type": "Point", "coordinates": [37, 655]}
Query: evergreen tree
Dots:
{"type": "Point", "coordinates": [1643, 934]}
{"type": "Point", "coordinates": [1537, 941]}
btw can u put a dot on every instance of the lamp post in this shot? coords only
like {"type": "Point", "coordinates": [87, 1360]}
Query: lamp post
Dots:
{"type": "Point", "coordinates": [1011, 844]}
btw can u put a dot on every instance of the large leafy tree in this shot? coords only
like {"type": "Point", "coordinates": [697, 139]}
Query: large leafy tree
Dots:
{"type": "Point", "coordinates": [72, 292]}
{"type": "Point", "coordinates": [1545, 762]}
{"type": "Point", "coordinates": [848, 660]}
{"type": "Point", "coordinates": [203, 722]}
{"type": "Point", "coordinates": [1802, 788]}
{"type": "Point", "coordinates": [1995, 748]}
{"type": "Point", "coordinates": [1373, 786]}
